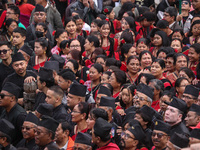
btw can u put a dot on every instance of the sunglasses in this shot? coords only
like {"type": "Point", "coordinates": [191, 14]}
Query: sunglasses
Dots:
{"type": "Point", "coordinates": [27, 128]}
{"type": "Point", "coordinates": [159, 135]}
{"type": "Point", "coordinates": [3, 95]}
{"type": "Point", "coordinates": [4, 51]}
{"type": "Point", "coordinates": [185, 3]}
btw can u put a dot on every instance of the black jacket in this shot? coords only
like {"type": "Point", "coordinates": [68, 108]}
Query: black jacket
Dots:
{"type": "Point", "coordinates": [25, 144]}
{"type": "Point", "coordinates": [60, 114]}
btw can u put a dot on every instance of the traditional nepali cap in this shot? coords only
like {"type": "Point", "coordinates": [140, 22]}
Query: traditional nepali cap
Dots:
{"type": "Point", "coordinates": [49, 123]}
{"type": "Point", "coordinates": [32, 118]}
{"type": "Point", "coordinates": [179, 140]}
{"type": "Point", "coordinates": [147, 111]}
{"type": "Point", "coordinates": [17, 57]}
{"type": "Point", "coordinates": [77, 89]}
{"type": "Point", "coordinates": [195, 133]}
{"type": "Point", "coordinates": [130, 110]}
{"type": "Point", "coordinates": [190, 89]}
{"type": "Point", "coordinates": [162, 24]}
{"type": "Point", "coordinates": [162, 126]}
{"type": "Point", "coordinates": [137, 131]}
{"type": "Point", "coordinates": [102, 128]}
{"type": "Point", "coordinates": [39, 8]}
{"type": "Point", "coordinates": [195, 108]}
{"type": "Point", "coordinates": [68, 75]}
{"type": "Point", "coordinates": [46, 74]}
{"type": "Point", "coordinates": [145, 89]}
{"type": "Point", "coordinates": [104, 90]}
{"type": "Point", "coordinates": [45, 109]}
{"type": "Point", "coordinates": [53, 65]}
{"type": "Point", "coordinates": [179, 104]}
{"type": "Point", "coordinates": [129, 117]}
{"type": "Point", "coordinates": [107, 101]}
{"type": "Point", "coordinates": [12, 88]}
{"type": "Point", "coordinates": [27, 49]}
{"type": "Point", "coordinates": [7, 128]}
{"type": "Point", "coordinates": [83, 138]}
{"type": "Point", "coordinates": [59, 59]}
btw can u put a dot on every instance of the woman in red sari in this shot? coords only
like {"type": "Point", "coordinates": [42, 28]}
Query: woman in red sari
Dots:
{"type": "Point", "coordinates": [42, 53]}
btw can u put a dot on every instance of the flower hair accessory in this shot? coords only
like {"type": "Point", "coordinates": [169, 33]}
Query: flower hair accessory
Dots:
{"type": "Point", "coordinates": [123, 41]}
{"type": "Point", "coordinates": [53, 33]}
{"type": "Point", "coordinates": [141, 15]}
{"type": "Point", "coordinates": [105, 10]}
{"type": "Point", "coordinates": [107, 19]}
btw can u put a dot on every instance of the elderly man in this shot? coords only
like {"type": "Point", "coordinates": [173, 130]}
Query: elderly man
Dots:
{"type": "Point", "coordinates": [83, 141]}
{"type": "Point", "coordinates": [193, 116]}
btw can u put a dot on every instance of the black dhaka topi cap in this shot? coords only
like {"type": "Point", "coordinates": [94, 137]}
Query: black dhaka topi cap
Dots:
{"type": "Point", "coordinates": [145, 89]}
{"type": "Point", "coordinates": [83, 138]}
{"type": "Point", "coordinates": [147, 111]}
{"type": "Point", "coordinates": [77, 89]}
{"type": "Point", "coordinates": [162, 24]}
{"type": "Point", "coordinates": [179, 140]}
{"type": "Point", "coordinates": [53, 65]}
{"type": "Point", "coordinates": [39, 8]}
{"type": "Point", "coordinates": [137, 131]}
{"type": "Point", "coordinates": [27, 49]}
{"type": "Point", "coordinates": [12, 88]}
{"type": "Point", "coordinates": [195, 108]}
{"type": "Point", "coordinates": [32, 118]}
{"type": "Point", "coordinates": [104, 90]}
{"type": "Point", "coordinates": [49, 123]}
{"type": "Point", "coordinates": [18, 57]}
{"type": "Point", "coordinates": [59, 59]}
{"type": "Point", "coordinates": [7, 128]}
{"type": "Point", "coordinates": [195, 133]}
{"type": "Point", "coordinates": [45, 109]}
{"type": "Point", "coordinates": [190, 89]}
{"type": "Point", "coordinates": [179, 104]}
{"type": "Point", "coordinates": [46, 74]}
{"type": "Point", "coordinates": [107, 101]}
{"type": "Point", "coordinates": [162, 126]}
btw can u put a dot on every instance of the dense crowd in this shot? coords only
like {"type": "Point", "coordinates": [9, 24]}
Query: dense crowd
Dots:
{"type": "Point", "coordinates": [100, 75]}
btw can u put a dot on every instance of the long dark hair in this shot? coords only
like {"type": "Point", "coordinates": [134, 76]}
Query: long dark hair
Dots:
{"type": "Point", "coordinates": [45, 44]}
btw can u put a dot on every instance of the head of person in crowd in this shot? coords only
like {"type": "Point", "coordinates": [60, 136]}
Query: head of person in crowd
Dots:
{"type": "Point", "coordinates": [180, 61]}
{"type": "Point", "coordinates": [29, 126]}
{"type": "Point", "coordinates": [39, 14]}
{"type": "Point", "coordinates": [45, 131]}
{"type": "Point", "coordinates": [158, 87]}
{"type": "Point", "coordinates": [128, 14]}
{"type": "Point", "coordinates": [96, 52]}
{"type": "Point", "coordinates": [160, 135]}
{"type": "Point", "coordinates": [65, 79]}
{"type": "Point", "coordinates": [178, 34]}
{"type": "Point", "coordinates": [76, 94]}
{"type": "Point", "coordinates": [10, 25]}
{"type": "Point", "coordinates": [104, 28]}
{"type": "Point", "coordinates": [13, 12]}
{"type": "Point", "coordinates": [91, 43]}
{"type": "Point", "coordinates": [70, 27]}
{"type": "Point", "coordinates": [195, 5]}
{"type": "Point", "coordinates": [147, 19]}
{"type": "Point", "coordinates": [41, 30]}
{"type": "Point", "coordinates": [178, 141]}
{"type": "Point", "coordinates": [190, 95]}
{"type": "Point", "coordinates": [143, 96]}
{"type": "Point", "coordinates": [194, 29]}
{"type": "Point", "coordinates": [6, 132]}
{"type": "Point", "coordinates": [105, 77]}
{"type": "Point", "coordinates": [170, 14]}
{"type": "Point", "coordinates": [101, 59]}
{"type": "Point", "coordinates": [141, 45]}
{"type": "Point", "coordinates": [109, 12]}
{"type": "Point", "coordinates": [127, 50]}
{"type": "Point", "coordinates": [165, 99]}
{"type": "Point", "coordinates": [127, 37]}
{"type": "Point", "coordinates": [127, 5]}
{"type": "Point", "coordinates": [162, 53]}
{"type": "Point", "coordinates": [170, 66]}
{"type": "Point", "coordinates": [44, 109]}
{"type": "Point", "coordinates": [175, 111]}
{"type": "Point", "coordinates": [95, 73]}
{"type": "Point", "coordinates": [94, 26]}
{"type": "Point", "coordinates": [103, 91]}
{"type": "Point", "coordinates": [94, 114]}
{"type": "Point", "coordinates": [145, 78]}
{"type": "Point", "coordinates": [145, 59]}
{"type": "Point", "coordinates": [133, 65]}
{"type": "Point", "coordinates": [160, 39]}
{"type": "Point", "coordinates": [72, 64]}
{"type": "Point", "coordinates": [186, 73]}
{"type": "Point", "coordinates": [79, 23]}
{"type": "Point", "coordinates": [194, 53]}
{"type": "Point", "coordinates": [194, 136]}
{"type": "Point", "coordinates": [83, 141]}
{"type": "Point", "coordinates": [75, 44]}
{"type": "Point", "coordinates": [163, 25]}
{"type": "Point", "coordinates": [193, 116]}
{"type": "Point", "coordinates": [62, 134]}
{"type": "Point", "coordinates": [76, 55]}
{"type": "Point", "coordinates": [19, 36]}
{"type": "Point", "coordinates": [128, 23]}
{"type": "Point", "coordinates": [42, 48]}
{"type": "Point", "coordinates": [26, 51]}
{"type": "Point", "coordinates": [177, 44]}
{"type": "Point", "coordinates": [157, 68]}
{"type": "Point", "coordinates": [180, 85]}
{"type": "Point", "coordinates": [117, 79]}
{"type": "Point", "coordinates": [112, 62]}
{"type": "Point", "coordinates": [64, 46]}
{"type": "Point", "coordinates": [19, 64]}
{"type": "Point", "coordinates": [186, 5]}
{"type": "Point", "coordinates": [196, 17]}
{"type": "Point", "coordinates": [5, 52]}
{"type": "Point", "coordinates": [59, 36]}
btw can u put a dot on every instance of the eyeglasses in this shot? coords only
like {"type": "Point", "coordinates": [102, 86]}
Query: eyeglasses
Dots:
{"type": "Point", "coordinates": [140, 98]}
{"type": "Point", "coordinates": [186, 3]}
{"type": "Point", "coordinates": [4, 51]}
{"type": "Point", "coordinates": [74, 46]}
{"type": "Point", "coordinates": [3, 95]}
{"type": "Point", "coordinates": [126, 136]}
{"type": "Point", "coordinates": [27, 128]}
{"type": "Point", "coordinates": [159, 135]}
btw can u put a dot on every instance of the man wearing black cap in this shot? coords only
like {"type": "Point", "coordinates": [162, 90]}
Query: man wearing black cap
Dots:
{"type": "Point", "coordinates": [174, 114]}
{"type": "Point", "coordinates": [6, 64]}
{"type": "Point", "coordinates": [44, 109]}
{"type": "Point", "coordinates": [143, 96]}
{"type": "Point", "coordinates": [103, 91]}
{"type": "Point", "coordinates": [12, 112]}
{"type": "Point", "coordinates": [160, 135]}
{"type": "Point", "coordinates": [101, 135]}
{"type": "Point", "coordinates": [54, 97]}
{"type": "Point", "coordinates": [26, 52]}
{"type": "Point", "coordinates": [44, 81]}
{"type": "Point", "coordinates": [193, 116]}
{"type": "Point", "coordinates": [45, 132]}
{"type": "Point", "coordinates": [190, 95]}
{"type": "Point", "coordinates": [83, 141]}
{"type": "Point", "coordinates": [6, 132]}
{"type": "Point", "coordinates": [28, 131]}
{"type": "Point", "coordinates": [19, 64]}
{"type": "Point", "coordinates": [76, 94]}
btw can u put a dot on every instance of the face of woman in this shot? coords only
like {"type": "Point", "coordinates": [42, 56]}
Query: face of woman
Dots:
{"type": "Point", "coordinates": [193, 55]}
{"type": "Point", "coordinates": [131, 52]}
{"type": "Point", "coordinates": [38, 49]}
{"type": "Point", "coordinates": [79, 24]}
{"type": "Point", "coordinates": [105, 30]}
{"type": "Point", "coordinates": [112, 15]}
{"type": "Point", "coordinates": [39, 28]}
{"type": "Point", "coordinates": [126, 96]}
{"type": "Point", "coordinates": [62, 37]}
{"type": "Point", "coordinates": [69, 65]}
{"type": "Point", "coordinates": [141, 47]}
{"type": "Point", "coordinates": [94, 74]}
{"type": "Point", "coordinates": [157, 40]}
{"type": "Point", "coordinates": [90, 122]}
{"type": "Point", "coordinates": [87, 45]}
{"type": "Point", "coordinates": [133, 66]}
{"type": "Point", "coordinates": [170, 64]}
{"type": "Point", "coordinates": [182, 86]}
{"type": "Point", "coordinates": [162, 56]}
{"type": "Point", "coordinates": [71, 27]}
{"type": "Point", "coordinates": [146, 60]}
{"type": "Point", "coordinates": [101, 61]}
{"type": "Point", "coordinates": [124, 25]}
{"type": "Point", "coordinates": [177, 35]}
{"type": "Point", "coordinates": [76, 114]}
{"type": "Point", "coordinates": [183, 74]}
{"type": "Point", "coordinates": [113, 81]}
{"type": "Point", "coordinates": [156, 69]}
{"type": "Point", "coordinates": [12, 26]}
{"type": "Point", "coordinates": [94, 27]}
{"type": "Point", "coordinates": [163, 99]}
{"type": "Point", "coordinates": [104, 78]}
{"type": "Point", "coordinates": [176, 45]}
{"type": "Point", "coordinates": [196, 29]}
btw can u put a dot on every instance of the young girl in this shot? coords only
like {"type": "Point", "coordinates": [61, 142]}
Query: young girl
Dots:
{"type": "Point", "coordinates": [141, 45]}
{"type": "Point", "coordinates": [194, 32]}
{"type": "Point", "coordinates": [79, 24]}
{"type": "Point", "coordinates": [94, 26]}
{"type": "Point", "coordinates": [110, 16]}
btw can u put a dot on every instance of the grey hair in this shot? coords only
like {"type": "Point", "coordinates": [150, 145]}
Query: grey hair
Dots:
{"type": "Point", "coordinates": [149, 99]}
{"type": "Point", "coordinates": [158, 85]}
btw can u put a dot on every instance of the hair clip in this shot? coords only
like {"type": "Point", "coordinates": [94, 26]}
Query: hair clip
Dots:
{"type": "Point", "coordinates": [123, 41]}
{"type": "Point", "coordinates": [105, 10]}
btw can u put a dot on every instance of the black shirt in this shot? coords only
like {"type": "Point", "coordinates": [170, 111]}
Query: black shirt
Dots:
{"type": "Point", "coordinates": [26, 144]}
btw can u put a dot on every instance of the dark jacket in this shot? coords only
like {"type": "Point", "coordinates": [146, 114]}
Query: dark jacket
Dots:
{"type": "Point", "coordinates": [26, 144]}
{"type": "Point", "coordinates": [43, 147]}
{"type": "Point", "coordinates": [60, 114]}
{"type": "Point", "coordinates": [180, 128]}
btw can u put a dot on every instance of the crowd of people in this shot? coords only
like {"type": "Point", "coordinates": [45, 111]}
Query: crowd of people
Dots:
{"type": "Point", "coordinates": [100, 75]}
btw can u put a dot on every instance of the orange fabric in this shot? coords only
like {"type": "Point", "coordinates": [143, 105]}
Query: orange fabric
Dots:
{"type": "Point", "coordinates": [70, 144]}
